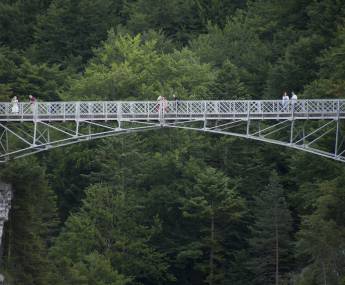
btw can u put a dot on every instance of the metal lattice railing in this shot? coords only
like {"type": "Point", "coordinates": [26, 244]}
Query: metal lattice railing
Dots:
{"type": "Point", "coordinates": [117, 110]}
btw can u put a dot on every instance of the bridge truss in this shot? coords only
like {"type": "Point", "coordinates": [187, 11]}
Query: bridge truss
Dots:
{"type": "Point", "coordinates": [314, 126]}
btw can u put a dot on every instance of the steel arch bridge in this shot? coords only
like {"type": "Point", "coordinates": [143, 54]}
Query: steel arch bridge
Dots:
{"type": "Point", "coordinates": [314, 126]}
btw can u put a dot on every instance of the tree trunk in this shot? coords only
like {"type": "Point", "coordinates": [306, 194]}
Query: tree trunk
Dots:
{"type": "Point", "coordinates": [277, 250]}
{"type": "Point", "coordinates": [324, 274]}
{"type": "Point", "coordinates": [211, 277]}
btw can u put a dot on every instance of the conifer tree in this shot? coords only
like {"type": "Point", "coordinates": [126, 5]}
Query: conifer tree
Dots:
{"type": "Point", "coordinates": [213, 207]}
{"type": "Point", "coordinates": [270, 242]}
{"type": "Point", "coordinates": [321, 239]}
{"type": "Point", "coordinates": [108, 225]}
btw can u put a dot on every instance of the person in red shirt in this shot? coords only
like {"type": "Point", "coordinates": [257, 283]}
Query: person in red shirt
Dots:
{"type": "Point", "coordinates": [32, 99]}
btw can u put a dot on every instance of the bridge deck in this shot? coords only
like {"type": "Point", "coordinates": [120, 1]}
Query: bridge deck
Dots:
{"type": "Point", "coordinates": [173, 110]}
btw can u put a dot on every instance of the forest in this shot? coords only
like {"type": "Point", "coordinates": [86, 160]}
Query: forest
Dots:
{"type": "Point", "coordinates": [173, 206]}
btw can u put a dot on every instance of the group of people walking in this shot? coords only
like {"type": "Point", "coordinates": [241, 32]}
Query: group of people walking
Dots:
{"type": "Point", "coordinates": [162, 103]}
{"type": "Point", "coordinates": [286, 99]}
{"type": "Point", "coordinates": [15, 105]}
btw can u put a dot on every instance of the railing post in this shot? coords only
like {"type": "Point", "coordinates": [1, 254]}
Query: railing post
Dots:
{"type": "Point", "coordinates": [292, 129]}
{"type": "Point", "coordinates": [307, 109]}
{"type": "Point", "coordinates": [77, 111]}
{"type": "Point", "coordinates": [119, 113]}
{"type": "Point", "coordinates": [248, 117]}
{"type": "Point", "coordinates": [21, 110]}
{"type": "Point", "coordinates": [148, 109]}
{"type": "Point", "coordinates": [64, 110]}
{"type": "Point", "coordinates": [205, 109]}
{"type": "Point", "coordinates": [35, 133]}
{"type": "Point", "coordinates": [7, 107]}
{"type": "Point", "coordinates": [35, 111]}
{"type": "Point", "coordinates": [161, 111]}
{"type": "Point", "coordinates": [258, 107]}
{"type": "Point", "coordinates": [337, 131]}
{"type": "Point", "coordinates": [77, 118]}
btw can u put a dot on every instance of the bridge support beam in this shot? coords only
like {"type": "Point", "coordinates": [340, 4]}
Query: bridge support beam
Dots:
{"type": "Point", "coordinates": [309, 136]}
{"type": "Point", "coordinates": [19, 140]}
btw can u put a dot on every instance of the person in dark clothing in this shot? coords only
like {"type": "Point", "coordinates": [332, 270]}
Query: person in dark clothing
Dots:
{"type": "Point", "coordinates": [175, 102]}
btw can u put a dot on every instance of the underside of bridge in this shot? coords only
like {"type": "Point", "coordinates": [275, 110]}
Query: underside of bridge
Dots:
{"type": "Point", "coordinates": [320, 137]}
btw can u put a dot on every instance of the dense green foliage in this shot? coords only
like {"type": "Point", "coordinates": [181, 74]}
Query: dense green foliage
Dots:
{"type": "Point", "coordinates": [173, 207]}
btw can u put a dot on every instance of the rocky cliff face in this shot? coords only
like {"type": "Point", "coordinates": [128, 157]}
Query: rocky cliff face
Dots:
{"type": "Point", "coordinates": [5, 205]}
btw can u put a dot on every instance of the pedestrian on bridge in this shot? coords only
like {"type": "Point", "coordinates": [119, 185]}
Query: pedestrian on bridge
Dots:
{"type": "Point", "coordinates": [32, 100]}
{"type": "Point", "coordinates": [15, 107]}
{"type": "Point", "coordinates": [285, 101]}
{"type": "Point", "coordinates": [165, 104]}
{"type": "Point", "coordinates": [162, 105]}
{"type": "Point", "coordinates": [293, 100]}
{"type": "Point", "coordinates": [175, 102]}
{"type": "Point", "coordinates": [159, 102]}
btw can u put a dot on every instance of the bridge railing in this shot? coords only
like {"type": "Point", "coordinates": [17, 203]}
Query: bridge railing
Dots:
{"type": "Point", "coordinates": [168, 109]}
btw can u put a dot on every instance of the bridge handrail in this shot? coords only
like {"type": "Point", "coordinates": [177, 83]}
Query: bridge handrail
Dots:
{"type": "Point", "coordinates": [78, 109]}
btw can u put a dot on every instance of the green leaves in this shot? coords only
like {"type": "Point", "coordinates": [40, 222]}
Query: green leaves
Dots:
{"type": "Point", "coordinates": [20, 77]}
{"type": "Point", "coordinates": [180, 20]}
{"type": "Point", "coordinates": [331, 83]}
{"type": "Point", "coordinates": [228, 85]}
{"type": "Point", "coordinates": [240, 44]}
{"type": "Point", "coordinates": [71, 29]}
{"type": "Point", "coordinates": [95, 269]}
{"type": "Point", "coordinates": [322, 234]}
{"type": "Point", "coordinates": [213, 207]}
{"type": "Point", "coordinates": [109, 224]}
{"type": "Point", "coordinates": [270, 241]}
{"type": "Point", "coordinates": [132, 68]}
{"type": "Point", "coordinates": [290, 71]}
{"type": "Point", "coordinates": [32, 225]}
{"type": "Point", "coordinates": [18, 20]}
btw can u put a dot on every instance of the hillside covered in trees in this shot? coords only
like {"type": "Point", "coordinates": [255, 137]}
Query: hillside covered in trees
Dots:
{"type": "Point", "coordinates": [172, 206]}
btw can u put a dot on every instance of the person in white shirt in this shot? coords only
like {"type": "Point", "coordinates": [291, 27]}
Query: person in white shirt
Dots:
{"type": "Point", "coordinates": [293, 100]}
{"type": "Point", "coordinates": [294, 96]}
{"type": "Point", "coordinates": [285, 101]}
{"type": "Point", "coordinates": [15, 107]}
